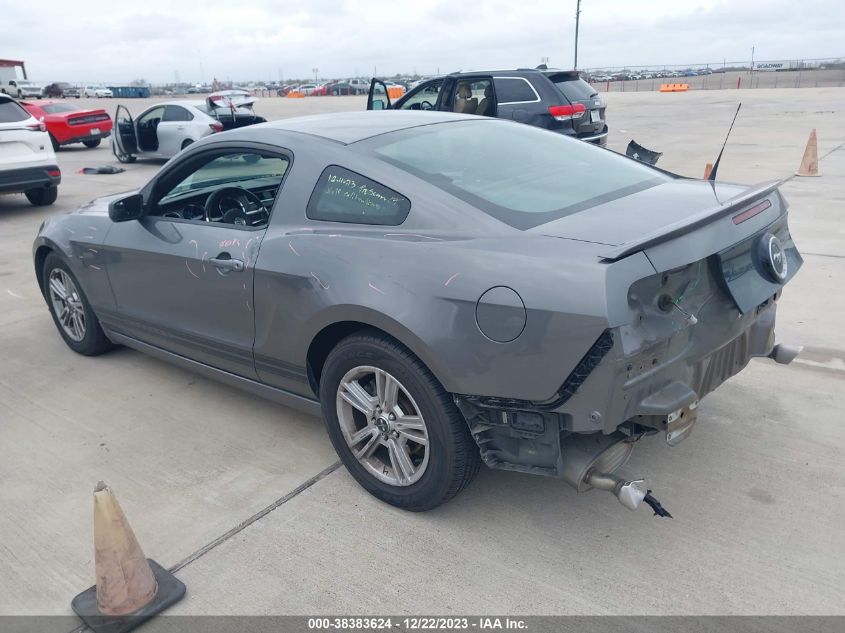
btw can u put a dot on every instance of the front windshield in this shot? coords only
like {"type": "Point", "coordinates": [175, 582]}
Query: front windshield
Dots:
{"type": "Point", "coordinates": [519, 174]}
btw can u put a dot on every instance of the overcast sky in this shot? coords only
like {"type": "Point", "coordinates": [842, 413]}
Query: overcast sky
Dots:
{"type": "Point", "coordinates": [159, 40]}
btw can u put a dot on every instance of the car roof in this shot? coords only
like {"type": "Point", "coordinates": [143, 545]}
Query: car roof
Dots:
{"type": "Point", "coordinates": [351, 127]}
{"type": "Point", "coordinates": [516, 71]}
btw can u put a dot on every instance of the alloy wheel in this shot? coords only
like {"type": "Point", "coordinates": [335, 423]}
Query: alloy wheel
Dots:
{"type": "Point", "coordinates": [67, 304]}
{"type": "Point", "coordinates": [382, 425]}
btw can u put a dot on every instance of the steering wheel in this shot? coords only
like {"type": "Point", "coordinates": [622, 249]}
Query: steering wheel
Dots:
{"type": "Point", "coordinates": [227, 199]}
{"type": "Point", "coordinates": [426, 105]}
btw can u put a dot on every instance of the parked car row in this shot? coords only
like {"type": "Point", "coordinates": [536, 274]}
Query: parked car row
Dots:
{"type": "Point", "coordinates": [645, 74]}
{"type": "Point", "coordinates": [25, 89]}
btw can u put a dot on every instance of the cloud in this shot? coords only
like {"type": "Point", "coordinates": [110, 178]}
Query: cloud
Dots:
{"type": "Point", "coordinates": [264, 39]}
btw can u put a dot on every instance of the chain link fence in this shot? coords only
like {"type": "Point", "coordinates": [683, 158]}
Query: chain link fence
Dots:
{"type": "Point", "coordinates": [796, 73]}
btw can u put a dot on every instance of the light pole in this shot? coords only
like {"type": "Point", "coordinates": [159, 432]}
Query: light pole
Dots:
{"type": "Point", "coordinates": [577, 20]}
{"type": "Point", "coordinates": [315, 71]}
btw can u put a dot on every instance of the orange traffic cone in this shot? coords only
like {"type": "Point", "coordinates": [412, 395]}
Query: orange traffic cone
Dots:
{"type": "Point", "coordinates": [810, 161]}
{"type": "Point", "coordinates": [130, 588]}
{"type": "Point", "coordinates": [707, 169]}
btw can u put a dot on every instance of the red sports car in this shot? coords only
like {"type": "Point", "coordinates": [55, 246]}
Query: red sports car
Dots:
{"type": "Point", "coordinates": [68, 123]}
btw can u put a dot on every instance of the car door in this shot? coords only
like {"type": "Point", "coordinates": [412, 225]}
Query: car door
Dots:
{"type": "Point", "coordinates": [173, 129]}
{"type": "Point", "coordinates": [184, 284]}
{"type": "Point", "coordinates": [378, 97]}
{"type": "Point", "coordinates": [146, 128]}
{"type": "Point", "coordinates": [125, 137]}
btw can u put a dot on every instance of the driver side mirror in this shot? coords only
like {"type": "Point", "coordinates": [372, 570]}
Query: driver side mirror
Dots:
{"type": "Point", "coordinates": [129, 208]}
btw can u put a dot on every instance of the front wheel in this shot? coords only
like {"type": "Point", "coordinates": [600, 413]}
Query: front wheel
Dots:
{"type": "Point", "coordinates": [43, 196]}
{"type": "Point", "coordinates": [393, 425]}
{"type": "Point", "coordinates": [71, 312]}
{"type": "Point", "coordinates": [91, 144]}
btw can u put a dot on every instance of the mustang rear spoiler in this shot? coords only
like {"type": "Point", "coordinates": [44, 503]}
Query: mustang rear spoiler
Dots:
{"type": "Point", "coordinates": [687, 225]}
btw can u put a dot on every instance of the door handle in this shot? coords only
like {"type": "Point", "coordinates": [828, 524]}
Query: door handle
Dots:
{"type": "Point", "coordinates": [224, 263]}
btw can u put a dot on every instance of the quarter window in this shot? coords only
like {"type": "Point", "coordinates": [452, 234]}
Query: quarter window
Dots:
{"type": "Point", "coordinates": [11, 112]}
{"type": "Point", "coordinates": [344, 196]}
{"type": "Point", "coordinates": [177, 113]}
{"type": "Point", "coordinates": [514, 90]}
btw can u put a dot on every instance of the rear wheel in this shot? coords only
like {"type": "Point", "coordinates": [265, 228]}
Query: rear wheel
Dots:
{"type": "Point", "coordinates": [71, 312]}
{"type": "Point", "coordinates": [54, 142]}
{"type": "Point", "coordinates": [42, 196]}
{"type": "Point", "coordinates": [393, 425]}
{"type": "Point", "coordinates": [186, 143]}
{"type": "Point", "coordinates": [91, 144]}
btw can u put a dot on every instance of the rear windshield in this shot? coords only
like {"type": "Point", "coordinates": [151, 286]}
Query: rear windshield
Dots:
{"type": "Point", "coordinates": [573, 88]}
{"type": "Point", "coordinates": [523, 176]}
{"type": "Point", "coordinates": [53, 108]}
{"type": "Point", "coordinates": [11, 112]}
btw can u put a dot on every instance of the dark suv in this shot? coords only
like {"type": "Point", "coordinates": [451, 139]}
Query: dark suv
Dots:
{"type": "Point", "coordinates": [557, 100]}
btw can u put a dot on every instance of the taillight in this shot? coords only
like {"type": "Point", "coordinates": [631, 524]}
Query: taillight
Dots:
{"type": "Point", "coordinates": [566, 112]}
{"type": "Point", "coordinates": [37, 127]}
{"type": "Point", "coordinates": [54, 173]}
{"type": "Point", "coordinates": [217, 126]}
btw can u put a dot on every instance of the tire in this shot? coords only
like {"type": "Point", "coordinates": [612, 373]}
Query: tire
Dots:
{"type": "Point", "coordinates": [43, 196]}
{"type": "Point", "coordinates": [55, 143]}
{"type": "Point", "coordinates": [441, 467]}
{"type": "Point", "coordinates": [186, 143]}
{"type": "Point", "coordinates": [93, 341]}
{"type": "Point", "coordinates": [91, 144]}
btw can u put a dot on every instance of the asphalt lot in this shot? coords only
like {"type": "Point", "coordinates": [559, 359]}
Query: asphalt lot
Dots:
{"type": "Point", "coordinates": [757, 491]}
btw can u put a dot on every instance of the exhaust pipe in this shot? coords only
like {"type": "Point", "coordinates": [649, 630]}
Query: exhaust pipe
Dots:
{"type": "Point", "coordinates": [589, 461]}
{"type": "Point", "coordinates": [785, 354]}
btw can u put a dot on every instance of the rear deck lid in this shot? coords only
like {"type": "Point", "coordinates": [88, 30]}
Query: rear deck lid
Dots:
{"type": "Point", "coordinates": [652, 211]}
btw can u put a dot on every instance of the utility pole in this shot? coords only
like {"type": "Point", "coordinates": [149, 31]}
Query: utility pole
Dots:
{"type": "Point", "coordinates": [577, 20]}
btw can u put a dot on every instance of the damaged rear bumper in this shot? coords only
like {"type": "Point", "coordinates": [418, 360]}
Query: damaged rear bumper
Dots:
{"type": "Point", "coordinates": [655, 389]}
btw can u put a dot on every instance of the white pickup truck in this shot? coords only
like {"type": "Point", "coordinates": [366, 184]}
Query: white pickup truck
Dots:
{"type": "Point", "coordinates": [22, 88]}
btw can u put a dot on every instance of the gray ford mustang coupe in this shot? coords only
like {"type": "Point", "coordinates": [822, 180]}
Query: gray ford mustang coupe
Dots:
{"type": "Point", "coordinates": [445, 289]}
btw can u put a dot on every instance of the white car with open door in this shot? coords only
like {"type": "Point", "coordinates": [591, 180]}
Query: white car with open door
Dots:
{"type": "Point", "coordinates": [165, 129]}
{"type": "Point", "coordinates": [27, 160]}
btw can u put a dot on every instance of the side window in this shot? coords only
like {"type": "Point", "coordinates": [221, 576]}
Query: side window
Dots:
{"type": "Point", "coordinates": [514, 90]}
{"type": "Point", "coordinates": [177, 113]}
{"type": "Point", "coordinates": [152, 117]}
{"type": "Point", "coordinates": [237, 188]}
{"type": "Point", "coordinates": [424, 97]}
{"type": "Point", "coordinates": [474, 95]}
{"type": "Point", "coordinates": [344, 196]}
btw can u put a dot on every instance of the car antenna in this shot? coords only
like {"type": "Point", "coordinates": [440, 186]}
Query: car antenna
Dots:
{"type": "Point", "coordinates": [712, 175]}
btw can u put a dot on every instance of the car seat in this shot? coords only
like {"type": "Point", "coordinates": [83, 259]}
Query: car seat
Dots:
{"type": "Point", "coordinates": [465, 103]}
{"type": "Point", "coordinates": [485, 107]}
